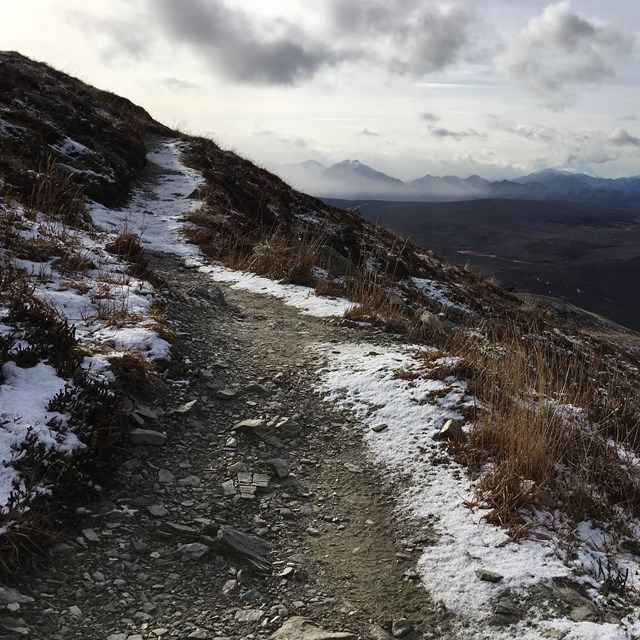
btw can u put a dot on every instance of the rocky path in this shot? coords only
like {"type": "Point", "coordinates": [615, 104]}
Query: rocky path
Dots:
{"type": "Point", "coordinates": [157, 555]}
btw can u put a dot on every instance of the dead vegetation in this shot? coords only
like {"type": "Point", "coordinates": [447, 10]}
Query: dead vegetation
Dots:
{"type": "Point", "coordinates": [555, 430]}
{"type": "Point", "coordinates": [32, 516]}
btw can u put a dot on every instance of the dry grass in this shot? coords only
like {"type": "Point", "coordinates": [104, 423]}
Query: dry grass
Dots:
{"type": "Point", "coordinates": [131, 368]}
{"type": "Point", "coordinates": [283, 254]}
{"type": "Point", "coordinates": [58, 197]}
{"type": "Point", "coordinates": [32, 517]}
{"type": "Point", "coordinates": [370, 291]}
{"type": "Point", "coordinates": [547, 433]}
{"type": "Point", "coordinates": [288, 257]}
{"type": "Point", "coordinates": [127, 246]}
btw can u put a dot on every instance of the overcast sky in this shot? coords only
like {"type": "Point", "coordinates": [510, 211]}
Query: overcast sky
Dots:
{"type": "Point", "coordinates": [493, 87]}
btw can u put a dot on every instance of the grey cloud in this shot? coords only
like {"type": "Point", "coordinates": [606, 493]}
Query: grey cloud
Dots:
{"type": "Point", "coordinates": [124, 38]}
{"type": "Point", "coordinates": [429, 117]}
{"type": "Point", "coordinates": [273, 53]}
{"type": "Point", "coordinates": [560, 48]}
{"type": "Point", "coordinates": [176, 84]}
{"type": "Point", "coordinates": [430, 35]}
{"type": "Point", "coordinates": [440, 132]}
{"type": "Point", "coordinates": [433, 42]}
{"type": "Point", "coordinates": [368, 132]}
{"type": "Point", "coordinates": [295, 141]}
{"type": "Point", "coordinates": [622, 137]}
{"type": "Point", "coordinates": [530, 131]}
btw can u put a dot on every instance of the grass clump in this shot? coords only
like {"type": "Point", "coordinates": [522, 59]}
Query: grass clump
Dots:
{"type": "Point", "coordinates": [56, 195]}
{"type": "Point", "coordinates": [547, 434]}
{"type": "Point", "coordinates": [127, 245]}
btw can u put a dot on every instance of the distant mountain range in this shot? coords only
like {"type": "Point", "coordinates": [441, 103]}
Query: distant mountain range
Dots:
{"type": "Point", "coordinates": [351, 179]}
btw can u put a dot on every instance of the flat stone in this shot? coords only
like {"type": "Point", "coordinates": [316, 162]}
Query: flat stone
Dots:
{"type": "Point", "coordinates": [160, 632]}
{"type": "Point", "coordinates": [245, 478]}
{"type": "Point", "coordinates": [157, 510]}
{"type": "Point", "coordinates": [257, 388]}
{"type": "Point", "coordinates": [190, 481]}
{"type": "Point", "coordinates": [261, 480]}
{"type": "Point", "coordinates": [165, 476]}
{"type": "Point", "coordinates": [193, 550]}
{"type": "Point", "coordinates": [147, 412]}
{"type": "Point", "coordinates": [118, 636]}
{"type": "Point", "coordinates": [183, 408]}
{"type": "Point", "coordinates": [352, 467]}
{"type": "Point", "coordinates": [16, 625]}
{"type": "Point", "coordinates": [226, 394]}
{"type": "Point", "coordinates": [298, 628]}
{"type": "Point", "coordinates": [249, 615]}
{"type": "Point", "coordinates": [378, 428]}
{"type": "Point", "coordinates": [488, 576]}
{"type": "Point", "coordinates": [237, 467]}
{"type": "Point", "coordinates": [180, 531]}
{"type": "Point", "coordinates": [91, 537]}
{"type": "Point", "coordinates": [229, 587]}
{"type": "Point", "coordinates": [378, 633]}
{"type": "Point", "coordinates": [8, 595]}
{"type": "Point", "coordinates": [75, 611]}
{"type": "Point", "coordinates": [251, 423]}
{"type": "Point", "coordinates": [228, 488]}
{"type": "Point", "coordinates": [199, 634]}
{"type": "Point", "coordinates": [148, 437]}
{"type": "Point", "coordinates": [303, 558]}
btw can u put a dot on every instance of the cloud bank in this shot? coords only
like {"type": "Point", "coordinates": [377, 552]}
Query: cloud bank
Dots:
{"type": "Point", "coordinates": [559, 49]}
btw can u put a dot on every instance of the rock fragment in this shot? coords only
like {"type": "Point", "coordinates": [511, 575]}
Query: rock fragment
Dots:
{"type": "Point", "coordinates": [148, 437]}
{"type": "Point", "coordinates": [298, 628]}
{"type": "Point", "coordinates": [488, 576]}
{"type": "Point", "coordinates": [452, 430]}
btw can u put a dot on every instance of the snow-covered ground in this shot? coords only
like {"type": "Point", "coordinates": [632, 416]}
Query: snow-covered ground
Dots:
{"type": "Point", "coordinates": [303, 298]}
{"type": "Point", "coordinates": [112, 311]}
{"type": "Point", "coordinates": [362, 376]}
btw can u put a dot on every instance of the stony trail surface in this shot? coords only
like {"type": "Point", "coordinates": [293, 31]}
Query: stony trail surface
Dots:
{"type": "Point", "coordinates": [138, 567]}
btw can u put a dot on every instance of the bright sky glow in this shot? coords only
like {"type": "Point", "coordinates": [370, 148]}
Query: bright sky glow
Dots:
{"type": "Point", "coordinates": [498, 88]}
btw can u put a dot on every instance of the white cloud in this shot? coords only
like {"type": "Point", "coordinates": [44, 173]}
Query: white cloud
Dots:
{"type": "Point", "coordinates": [559, 49]}
{"type": "Point", "coordinates": [623, 137]}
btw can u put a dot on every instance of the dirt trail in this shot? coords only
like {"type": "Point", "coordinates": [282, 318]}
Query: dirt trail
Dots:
{"type": "Point", "coordinates": [335, 534]}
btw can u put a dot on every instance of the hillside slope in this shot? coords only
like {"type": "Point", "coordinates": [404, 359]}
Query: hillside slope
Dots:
{"type": "Point", "coordinates": [413, 451]}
